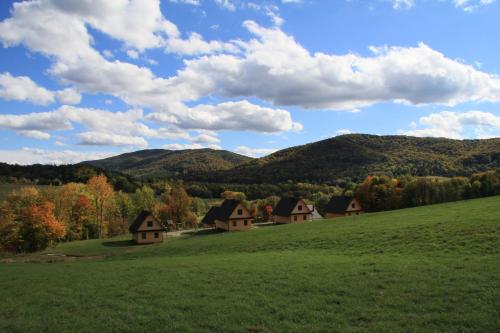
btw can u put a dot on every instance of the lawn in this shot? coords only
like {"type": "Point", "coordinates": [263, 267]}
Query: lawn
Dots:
{"type": "Point", "coordinates": [435, 268]}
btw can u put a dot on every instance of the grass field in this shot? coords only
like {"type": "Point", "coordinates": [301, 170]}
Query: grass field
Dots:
{"type": "Point", "coordinates": [429, 269]}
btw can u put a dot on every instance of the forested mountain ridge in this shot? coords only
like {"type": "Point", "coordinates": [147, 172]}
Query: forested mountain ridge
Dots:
{"type": "Point", "coordinates": [356, 156]}
{"type": "Point", "coordinates": [161, 163]}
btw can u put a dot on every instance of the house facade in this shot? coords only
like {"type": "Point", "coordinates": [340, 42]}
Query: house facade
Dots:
{"type": "Point", "coordinates": [291, 210]}
{"type": "Point", "coordinates": [343, 206]}
{"type": "Point", "coordinates": [146, 229]}
{"type": "Point", "coordinates": [232, 215]}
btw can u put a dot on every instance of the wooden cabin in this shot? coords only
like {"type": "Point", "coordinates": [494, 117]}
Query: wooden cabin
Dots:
{"type": "Point", "coordinates": [343, 206]}
{"type": "Point", "coordinates": [291, 210]}
{"type": "Point", "coordinates": [232, 215]}
{"type": "Point", "coordinates": [146, 229]}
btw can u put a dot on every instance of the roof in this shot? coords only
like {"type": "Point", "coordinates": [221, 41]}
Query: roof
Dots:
{"type": "Point", "coordinates": [338, 204]}
{"type": "Point", "coordinates": [140, 219]}
{"type": "Point", "coordinates": [315, 214]}
{"type": "Point", "coordinates": [211, 215]}
{"type": "Point", "coordinates": [285, 206]}
{"type": "Point", "coordinates": [226, 209]}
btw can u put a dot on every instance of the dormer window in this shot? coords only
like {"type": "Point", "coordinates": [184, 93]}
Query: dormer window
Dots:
{"type": "Point", "coordinates": [300, 207]}
{"type": "Point", "coordinates": [150, 224]}
{"type": "Point", "coordinates": [240, 211]}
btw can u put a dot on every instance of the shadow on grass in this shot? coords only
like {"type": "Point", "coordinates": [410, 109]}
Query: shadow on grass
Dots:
{"type": "Point", "coordinates": [121, 243]}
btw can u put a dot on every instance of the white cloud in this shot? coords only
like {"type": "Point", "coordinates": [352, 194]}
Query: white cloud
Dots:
{"type": "Point", "coordinates": [188, 2]}
{"type": "Point", "coordinates": [22, 88]}
{"type": "Point", "coordinates": [182, 146]}
{"type": "Point", "coordinates": [472, 5]}
{"type": "Point", "coordinates": [196, 45]}
{"type": "Point", "coordinates": [343, 131]}
{"type": "Point", "coordinates": [254, 152]}
{"type": "Point", "coordinates": [226, 4]}
{"type": "Point", "coordinates": [69, 96]}
{"type": "Point", "coordinates": [452, 125]}
{"type": "Point", "coordinates": [133, 54]}
{"type": "Point", "coordinates": [27, 156]}
{"type": "Point", "coordinates": [275, 68]}
{"type": "Point", "coordinates": [206, 138]}
{"type": "Point", "coordinates": [111, 139]}
{"type": "Point", "coordinates": [403, 4]}
{"type": "Point", "coordinates": [241, 115]}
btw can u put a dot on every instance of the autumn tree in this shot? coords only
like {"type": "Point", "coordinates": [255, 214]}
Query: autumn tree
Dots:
{"type": "Point", "coordinates": [9, 229]}
{"type": "Point", "coordinates": [180, 202]}
{"type": "Point", "coordinates": [144, 199]}
{"type": "Point", "coordinates": [39, 227]}
{"type": "Point", "coordinates": [102, 193]}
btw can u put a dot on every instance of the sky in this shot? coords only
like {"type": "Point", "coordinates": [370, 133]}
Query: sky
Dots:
{"type": "Point", "coordinates": [88, 79]}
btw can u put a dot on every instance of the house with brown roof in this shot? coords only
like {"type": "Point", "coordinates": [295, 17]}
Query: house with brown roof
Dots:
{"type": "Point", "coordinates": [232, 215]}
{"type": "Point", "coordinates": [146, 229]}
{"type": "Point", "coordinates": [291, 210]}
{"type": "Point", "coordinates": [343, 206]}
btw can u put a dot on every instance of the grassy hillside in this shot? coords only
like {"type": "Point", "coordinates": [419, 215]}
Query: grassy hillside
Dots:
{"type": "Point", "coordinates": [357, 155]}
{"type": "Point", "coordinates": [167, 163]}
{"type": "Point", "coordinates": [432, 268]}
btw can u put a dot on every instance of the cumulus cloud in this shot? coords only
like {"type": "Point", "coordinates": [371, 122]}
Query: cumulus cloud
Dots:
{"type": "Point", "coordinates": [196, 45]}
{"type": "Point", "coordinates": [22, 88]}
{"type": "Point", "coordinates": [111, 139]}
{"type": "Point", "coordinates": [27, 156]}
{"type": "Point", "coordinates": [182, 146]}
{"type": "Point", "coordinates": [448, 124]}
{"type": "Point", "coordinates": [254, 152]}
{"type": "Point", "coordinates": [241, 115]}
{"type": "Point", "coordinates": [275, 68]}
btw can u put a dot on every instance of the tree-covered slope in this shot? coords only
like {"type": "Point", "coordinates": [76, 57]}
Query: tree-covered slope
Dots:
{"type": "Point", "coordinates": [358, 155]}
{"type": "Point", "coordinates": [167, 163]}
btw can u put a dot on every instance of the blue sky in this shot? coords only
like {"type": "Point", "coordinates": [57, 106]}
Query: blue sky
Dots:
{"type": "Point", "coordinates": [89, 79]}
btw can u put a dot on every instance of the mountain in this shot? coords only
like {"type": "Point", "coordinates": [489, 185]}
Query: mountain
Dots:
{"type": "Point", "coordinates": [169, 163]}
{"type": "Point", "coordinates": [352, 156]}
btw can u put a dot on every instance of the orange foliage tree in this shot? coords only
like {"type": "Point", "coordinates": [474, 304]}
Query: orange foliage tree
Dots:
{"type": "Point", "coordinates": [103, 194]}
{"type": "Point", "coordinates": [39, 227]}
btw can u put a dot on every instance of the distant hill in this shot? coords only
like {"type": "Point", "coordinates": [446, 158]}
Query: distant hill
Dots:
{"type": "Point", "coordinates": [352, 156]}
{"type": "Point", "coordinates": [355, 156]}
{"type": "Point", "coordinates": [170, 163]}
{"type": "Point", "coordinates": [40, 174]}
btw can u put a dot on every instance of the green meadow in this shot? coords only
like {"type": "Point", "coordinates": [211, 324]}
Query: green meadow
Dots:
{"type": "Point", "coordinates": [428, 269]}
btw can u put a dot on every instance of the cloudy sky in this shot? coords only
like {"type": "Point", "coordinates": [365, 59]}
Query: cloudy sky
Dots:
{"type": "Point", "coordinates": [84, 79]}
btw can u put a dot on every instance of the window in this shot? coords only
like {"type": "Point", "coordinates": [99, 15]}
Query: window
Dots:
{"type": "Point", "coordinates": [300, 207]}
{"type": "Point", "coordinates": [143, 235]}
{"type": "Point", "coordinates": [295, 217]}
{"type": "Point", "coordinates": [157, 235]}
{"type": "Point", "coordinates": [353, 205]}
{"type": "Point", "coordinates": [245, 222]}
{"type": "Point", "coordinates": [150, 224]}
{"type": "Point", "coordinates": [305, 217]}
{"type": "Point", "coordinates": [240, 211]}
{"type": "Point", "coordinates": [234, 223]}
